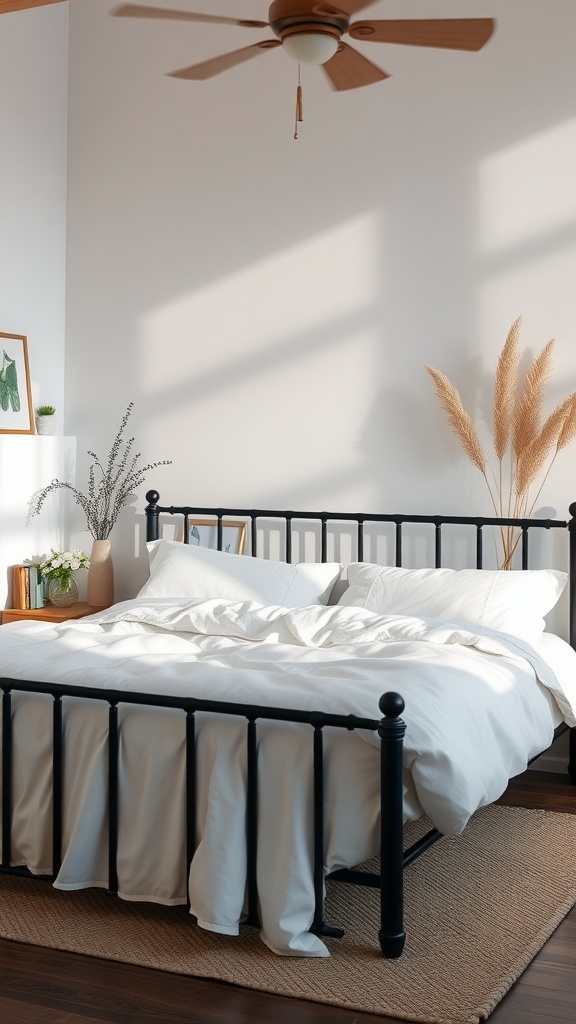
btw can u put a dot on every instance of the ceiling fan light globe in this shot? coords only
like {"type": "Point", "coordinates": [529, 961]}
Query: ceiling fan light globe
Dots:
{"type": "Point", "coordinates": [310, 47]}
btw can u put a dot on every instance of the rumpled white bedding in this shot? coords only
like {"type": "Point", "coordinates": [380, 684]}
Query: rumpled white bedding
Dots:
{"type": "Point", "coordinates": [479, 706]}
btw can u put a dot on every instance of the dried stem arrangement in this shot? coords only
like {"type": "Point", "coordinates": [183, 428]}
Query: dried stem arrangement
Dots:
{"type": "Point", "coordinates": [110, 484]}
{"type": "Point", "coordinates": [525, 447]}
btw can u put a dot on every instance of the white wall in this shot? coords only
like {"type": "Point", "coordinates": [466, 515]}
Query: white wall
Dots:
{"type": "Point", "coordinates": [33, 129]}
{"type": "Point", "coordinates": [269, 305]}
{"type": "Point", "coordinates": [27, 463]}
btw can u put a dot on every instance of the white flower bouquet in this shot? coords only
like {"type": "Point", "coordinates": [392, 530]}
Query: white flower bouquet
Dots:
{"type": "Point", "coordinates": [61, 566]}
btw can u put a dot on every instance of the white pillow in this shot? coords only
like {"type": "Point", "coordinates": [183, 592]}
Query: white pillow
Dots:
{"type": "Point", "coordinates": [510, 601]}
{"type": "Point", "coordinates": [180, 570]}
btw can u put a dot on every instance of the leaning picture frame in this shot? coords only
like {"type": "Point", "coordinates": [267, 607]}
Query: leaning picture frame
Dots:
{"type": "Point", "coordinates": [204, 534]}
{"type": "Point", "coordinates": [16, 413]}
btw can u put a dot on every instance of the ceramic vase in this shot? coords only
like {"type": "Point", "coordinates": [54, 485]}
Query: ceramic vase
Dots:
{"type": "Point", "coordinates": [45, 424]}
{"type": "Point", "coordinates": [60, 595]}
{"type": "Point", "coordinates": [100, 589]}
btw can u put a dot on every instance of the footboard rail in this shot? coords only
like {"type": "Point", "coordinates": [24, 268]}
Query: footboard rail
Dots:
{"type": "Point", "coordinates": [390, 729]}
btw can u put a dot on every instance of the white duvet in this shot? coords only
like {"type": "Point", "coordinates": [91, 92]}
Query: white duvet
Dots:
{"type": "Point", "coordinates": [479, 706]}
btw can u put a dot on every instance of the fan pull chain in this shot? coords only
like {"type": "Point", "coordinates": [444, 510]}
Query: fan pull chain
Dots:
{"type": "Point", "coordinates": [299, 114]}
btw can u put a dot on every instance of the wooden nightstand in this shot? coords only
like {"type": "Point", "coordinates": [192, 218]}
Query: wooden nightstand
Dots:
{"type": "Point", "coordinates": [49, 613]}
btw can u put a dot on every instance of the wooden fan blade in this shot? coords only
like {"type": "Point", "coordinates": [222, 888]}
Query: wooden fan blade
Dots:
{"type": "Point", "coordinates": [7, 6]}
{"type": "Point", "coordinates": [444, 33]}
{"type": "Point", "coordinates": [143, 11]}
{"type": "Point", "coordinates": [209, 68]}
{"type": "Point", "coordinates": [342, 6]}
{"type": "Point", "coordinates": [349, 69]}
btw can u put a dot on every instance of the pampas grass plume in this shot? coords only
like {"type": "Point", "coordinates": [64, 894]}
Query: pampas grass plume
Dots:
{"type": "Point", "coordinates": [529, 406]}
{"type": "Point", "coordinates": [505, 385]}
{"type": "Point", "coordinates": [533, 456]}
{"type": "Point", "coordinates": [528, 449]}
{"type": "Point", "coordinates": [459, 419]}
{"type": "Point", "coordinates": [568, 432]}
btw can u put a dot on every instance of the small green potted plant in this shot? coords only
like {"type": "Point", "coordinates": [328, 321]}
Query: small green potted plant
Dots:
{"type": "Point", "coordinates": [45, 421]}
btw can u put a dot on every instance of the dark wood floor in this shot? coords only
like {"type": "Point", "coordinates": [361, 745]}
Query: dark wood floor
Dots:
{"type": "Point", "coordinates": [42, 986]}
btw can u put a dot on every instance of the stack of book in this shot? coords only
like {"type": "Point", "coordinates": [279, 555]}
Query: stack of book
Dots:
{"type": "Point", "coordinates": [27, 587]}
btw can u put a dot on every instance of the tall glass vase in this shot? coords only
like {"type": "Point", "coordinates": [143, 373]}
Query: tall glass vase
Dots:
{"type": "Point", "coordinates": [100, 584]}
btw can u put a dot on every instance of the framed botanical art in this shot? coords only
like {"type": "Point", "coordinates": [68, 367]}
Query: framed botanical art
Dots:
{"type": "Point", "coordinates": [204, 533]}
{"type": "Point", "coordinates": [16, 413]}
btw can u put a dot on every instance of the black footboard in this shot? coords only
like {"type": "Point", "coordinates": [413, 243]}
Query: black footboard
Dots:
{"type": "Point", "coordinates": [390, 729]}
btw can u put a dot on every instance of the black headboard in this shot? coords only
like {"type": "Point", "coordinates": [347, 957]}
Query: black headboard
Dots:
{"type": "Point", "coordinates": [254, 518]}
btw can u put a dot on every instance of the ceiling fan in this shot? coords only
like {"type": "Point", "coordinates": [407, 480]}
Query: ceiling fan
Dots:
{"type": "Point", "coordinates": [310, 31]}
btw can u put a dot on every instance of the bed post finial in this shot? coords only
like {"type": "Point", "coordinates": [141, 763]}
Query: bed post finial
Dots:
{"type": "Point", "coordinates": [391, 704]}
{"type": "Point", "coordinates": [152, 515]}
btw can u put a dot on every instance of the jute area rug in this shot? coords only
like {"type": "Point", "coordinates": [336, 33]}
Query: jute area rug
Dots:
{"type": "Point", "coordinates": [478, 909]}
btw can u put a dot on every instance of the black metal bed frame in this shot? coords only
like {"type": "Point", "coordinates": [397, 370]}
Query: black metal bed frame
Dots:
{"type": "Point", "coordinates": [390, 727]}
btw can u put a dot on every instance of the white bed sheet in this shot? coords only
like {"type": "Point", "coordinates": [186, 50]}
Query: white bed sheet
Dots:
{"type": "Point", "coordinates": [562, 660]}
{"type": "Point", "coordinates": [478, 707]}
